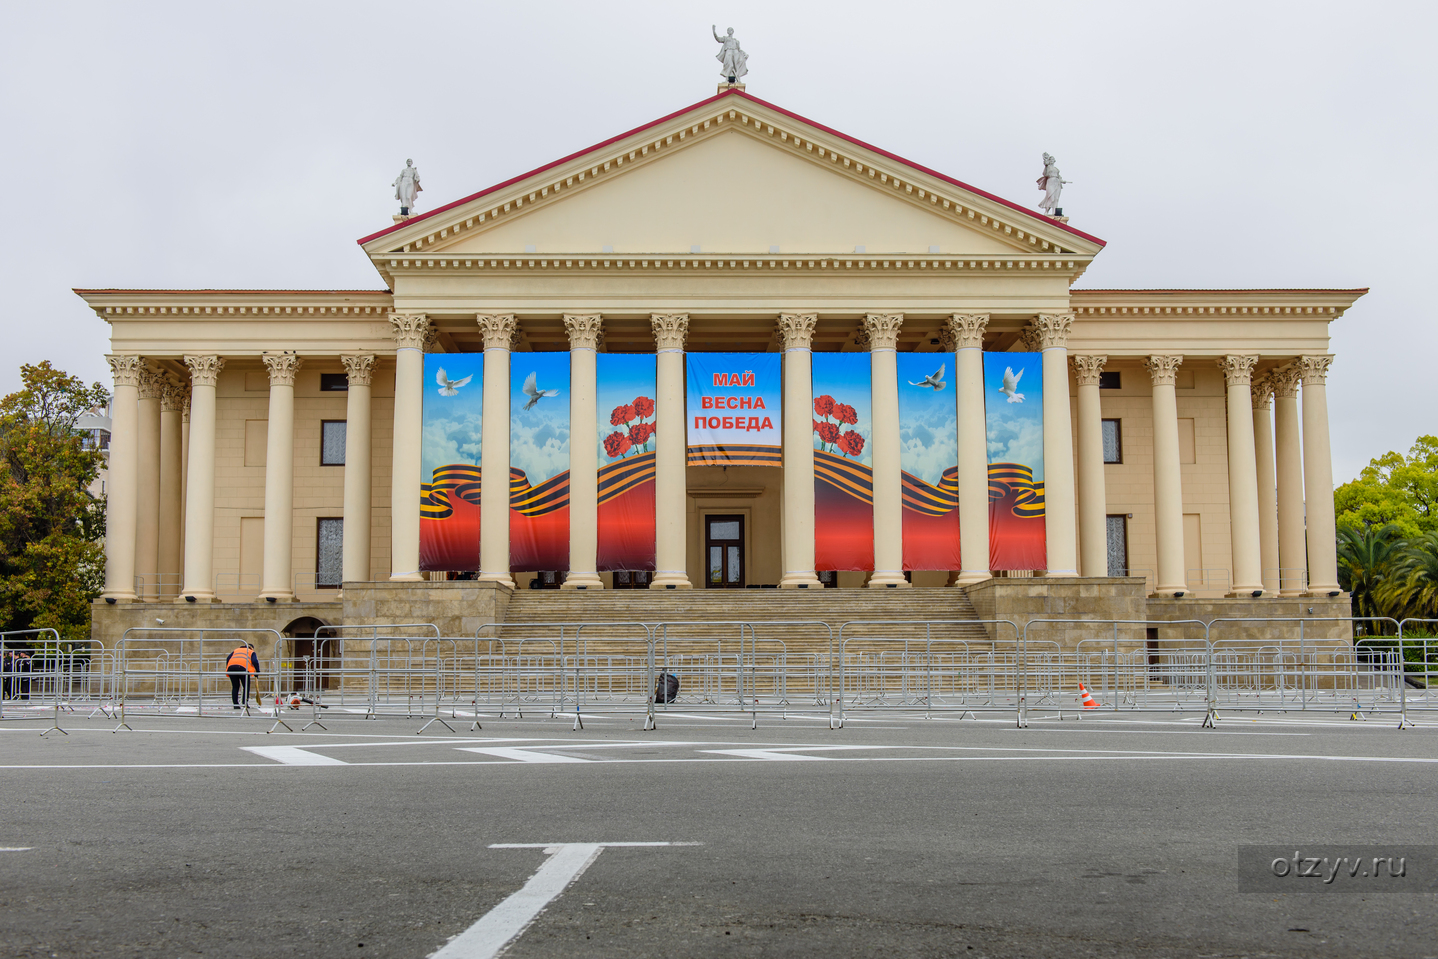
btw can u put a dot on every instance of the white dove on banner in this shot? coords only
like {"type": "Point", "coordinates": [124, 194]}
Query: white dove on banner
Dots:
{"type": "Point", "coordinates": [447, 386]}
{"type": "Point", "coordinates": [532, 390]}
{"type": "Point", "coordinates": [1011, 385]}
{"type": "Point", "coordinates": [934, 381]}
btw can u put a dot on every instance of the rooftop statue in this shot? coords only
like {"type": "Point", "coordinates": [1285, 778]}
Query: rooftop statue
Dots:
{"type": "Point", "coordinates": [406, 187]}
{"type": "Point", "coordinates": [733, 58]}
{"type": "Point", "coordinates": [1052, 184]}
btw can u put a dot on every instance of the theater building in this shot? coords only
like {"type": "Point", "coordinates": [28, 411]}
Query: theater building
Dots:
{"type": "Point", "coordinates": [731, 348]}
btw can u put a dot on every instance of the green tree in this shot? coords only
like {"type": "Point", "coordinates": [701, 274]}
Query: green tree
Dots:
{"type": "Point", "coordinates": [52, 561]}
{"type": "Point", "coordinates": [1412, 587]}
{"type": "Point", "coordinates": [1393, 488]}
{"type": "Point", "coordinates": [1366, 564]}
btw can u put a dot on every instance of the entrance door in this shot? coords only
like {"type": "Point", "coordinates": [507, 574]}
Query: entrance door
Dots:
{"type": "Point", "coordinates": [724, 546]}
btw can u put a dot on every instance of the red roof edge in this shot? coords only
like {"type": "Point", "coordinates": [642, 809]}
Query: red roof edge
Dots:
{"type": "Point", "coordinates": [105, 290]}
{"type": "Point", "coordinates": [739, 93]}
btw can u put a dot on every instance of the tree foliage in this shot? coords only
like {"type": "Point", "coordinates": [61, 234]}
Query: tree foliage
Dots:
{"type": "Point", "coordinates": [52, 560]}
{"type": "Point", "coordinates": [1394, 489]}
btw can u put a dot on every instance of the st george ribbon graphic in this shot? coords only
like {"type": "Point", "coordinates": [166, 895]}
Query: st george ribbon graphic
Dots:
{"type": "Point", "coordinates": [626, 460]}
{"type": "Point", "coordinates": [539, 461]}
{"type": "Point", "coordinates": [450, 458]}
{"type": "Point", "coordinates": [843, 462]}
{"type": "Point", "coordinates": [929, 459]}
{"type": "Point", "coordinates": [734, 414]}
{"type": "Point", "coordinates": [1014, 424]}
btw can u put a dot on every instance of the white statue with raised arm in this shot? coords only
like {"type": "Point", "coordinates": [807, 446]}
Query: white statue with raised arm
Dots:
{"type": "Point", "coordinates": [733, 58]}
{"type": "Point", "coordinates": [1052, 184]}
{"type": "Point", "coordinates": [406, 187]}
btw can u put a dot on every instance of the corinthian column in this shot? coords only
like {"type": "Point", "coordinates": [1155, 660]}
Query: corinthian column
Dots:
{"type": "Point", "coordinates": [277, 577]}
{"type": "Point", "coordinates": [1318, 478]}
{"type": "Point", "coordinates": [411, 332]}
{"type": "Point", "coordinates": [499, 330]}
{"type": "Point", "coordinates": [670, 480]}
{"type": "Point", "coordinates": [1242, 477]}
{"type": "Point", "coordinates": [883, 330]}
{"type": "Point", "coordinates": [359, 370]}
{"type": "Point", "coordinates": [1051, 330]}
{"type": "Point", "coordinates": [968, 332]}
{"type": "Point", "coordinates": [1092, 497]}
{"type": "Point", "coordinates": [122, 497]}
{"type": "Point", "coordinates": [147, 511]}
{"type": "Point", "coordinates": [584, 331]}
{"type": "Point", "coordinates": [200, 480]}
{"type": "Point", "coordinates": [1292, 545]}
{"type": "Point", "coordinates": [1167, 477]}
{"type": "Point", "coordinates": [797, 330]}
{"type": "Point", "coordinates": [172, 465]}
{"type": "Point", "coordinates": [1261, 395]}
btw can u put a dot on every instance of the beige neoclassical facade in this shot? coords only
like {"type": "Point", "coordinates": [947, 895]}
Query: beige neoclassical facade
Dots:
{"type": "Point", "coordinates": [266, 444]}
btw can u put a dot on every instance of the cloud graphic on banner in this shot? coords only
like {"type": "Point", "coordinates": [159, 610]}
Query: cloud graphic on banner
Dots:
{"type": "Point", "coordinates": [1018, 441]}
{"type": "Point", "coordinates": [928, 444]}
{"type": "Point", "coordinates": [541, 450]}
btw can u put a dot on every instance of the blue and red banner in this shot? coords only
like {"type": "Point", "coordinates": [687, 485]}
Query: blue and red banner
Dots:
{"type": "Point", "coordinates": [1014, 424]}
{"type": "Point", "coordinates": [843, 462]}
{"type": "Point", "coordinates": [626, 460]}
{"type": "Point", "coordinates": [929, 458]}
{"type": "Point", "coordinates": [450, 456]}
{"type": "Point", "coordinates": [539, 461]}
{"type": "Point", "coordinates": [734, 413]}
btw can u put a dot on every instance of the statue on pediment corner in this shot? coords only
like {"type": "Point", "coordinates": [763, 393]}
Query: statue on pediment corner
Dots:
{"type": "Point", "coordinates": [407, 188]}
{"type": "Point", "coordinates": [1052, 184]}
{"type": "Point", "coordinates": [732, 58]}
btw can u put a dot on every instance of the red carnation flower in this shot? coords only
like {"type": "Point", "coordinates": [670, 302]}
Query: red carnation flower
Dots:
{"type": "Point", "coordinates": [828, 432]}
{"type": "Point", "coordinates": [638, 434]}
{"type": "Point", "coordinates": [824, 405]}
{"type": "Point", "coordinates": [845, 413]}
{"type": "Point", "coordinates": [621, 414]}
{"type": "Point", "coordinates": [851, 443]}
{"type": "Point", "coordinates": [643, 406]}
{"type": "Point", "coordinates": [616, 444]}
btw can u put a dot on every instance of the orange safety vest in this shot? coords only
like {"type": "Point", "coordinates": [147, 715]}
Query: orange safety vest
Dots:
{"type": "Point", "coordinates": [241, 657]}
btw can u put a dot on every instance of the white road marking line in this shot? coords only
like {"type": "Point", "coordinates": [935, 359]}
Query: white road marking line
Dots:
{"type": "Point", "coordinates": [294, 756]}
{"type": "Point", "coordinates": [523, 755]}
{"type": "Point", "coordinates": [507, 921]}
{"type": "Point", "coordinates": [785, 753]}
{"type": "Point", "coordinates": [16, 848]}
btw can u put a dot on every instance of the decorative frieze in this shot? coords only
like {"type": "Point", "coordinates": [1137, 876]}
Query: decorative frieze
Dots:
{"type": "Point", "coordinates": [125, 368]}
{"type": "Point", "coordinates": [1163, 368]}
{"type": "Point", "coordinates": [282, 367]}
{"type": "Point", "coordinates": [967, 329]}
{"type": "Point", "coordinates": [205, 370]}
{"type": "Point", "coordinates": [359, 368]}
{"type": "Point", "coordinates": [1237, 369]}
{"type": "Point", "coordinates": [586, 330]}
{"type": "Point", "coordinates": [1051, 330]}
{"type": "Point", "coordinates": [883, 330]}
{"type": "Point", "coordinates": [1314, 369]}
{"type": "Point", "coordinates": [1087, 368]}
{"type": "Point", "coordinates": [670, 330]}
{"type": "Point", "coordinates": [411, 331]}
{"type": "Point", "coordinates": [797, 330]}
{"type": "Point", "coordinates": [498, 330]}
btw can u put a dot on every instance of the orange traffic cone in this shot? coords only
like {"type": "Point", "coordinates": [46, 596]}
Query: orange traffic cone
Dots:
{"type": "Point", "coordinates": [1088, 701]}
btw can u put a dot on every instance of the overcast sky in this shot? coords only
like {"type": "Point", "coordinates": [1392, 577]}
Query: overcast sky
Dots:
{"type": "Point", "coordinates": [1252, 144]}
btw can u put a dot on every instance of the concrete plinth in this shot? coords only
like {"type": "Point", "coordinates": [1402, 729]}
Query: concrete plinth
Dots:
{"type": "Point", "coordinates": [458, 608]}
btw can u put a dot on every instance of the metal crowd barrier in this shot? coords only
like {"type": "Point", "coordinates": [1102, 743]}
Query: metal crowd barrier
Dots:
{"type": "Point", "coordinates": [34, 676]}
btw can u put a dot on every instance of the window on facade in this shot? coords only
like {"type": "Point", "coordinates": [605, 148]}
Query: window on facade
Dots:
{"type": "Point", "coordinates": [329, 552]}
{"type": "Point", "coordinates": [1117, 530]}
{"type": "Point", "coordinates": [1110, 381]}
{"type": "Point", "coordinates": [332, 443]}
{"type": "Point", "coordinates": [334, 383]}
{"type": "Point", "coordinates": [1112, 441]}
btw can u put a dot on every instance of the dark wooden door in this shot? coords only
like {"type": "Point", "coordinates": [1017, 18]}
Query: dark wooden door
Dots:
{"type": "Point", "coordinates": [724, 552]}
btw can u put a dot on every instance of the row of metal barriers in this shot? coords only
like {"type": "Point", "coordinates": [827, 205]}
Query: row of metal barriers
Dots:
{"type": "Point", "coordinates": [1050, 668]}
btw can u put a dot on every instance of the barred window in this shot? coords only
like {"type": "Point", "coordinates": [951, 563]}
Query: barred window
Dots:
{"type": "Point", "coordinates": [332, 443]}
{"type": "Point", "coordinates": [1112, 441]}
{"type": "Point", "coordinates": [329, 552]}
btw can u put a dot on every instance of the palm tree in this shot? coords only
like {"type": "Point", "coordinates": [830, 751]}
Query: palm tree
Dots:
{"type": "Point", "coordinates": [1412, 586]}
{"type": "Point", "coordinates": [1366, 559]}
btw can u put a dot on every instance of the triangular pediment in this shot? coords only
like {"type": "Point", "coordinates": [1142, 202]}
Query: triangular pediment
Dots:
{"type": "Point", "coordinates": [732, 176]}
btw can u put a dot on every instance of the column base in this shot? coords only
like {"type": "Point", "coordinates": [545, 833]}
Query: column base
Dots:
{"type": "Point", "coordinates": [198, 596]}
{"type": "Point", "coordinates": [113, 598]}
{"type": "Point", "coordinates": [1059, 573]}
{"type": "Point", "coordinates": [969, 577]}
{"type": "Point", "coordinates": [503, 579]}
{"type": "Point", "coordinates": [415, 577]}
{"type": "Point", "coordinates": [888, 579]}
{"type": "Point", "coordinates": [670, 581]}
{"type": "Point", "coordinates": [582, 581]}
{"type": "Point", "coordinates": [801, 580]}
{"type": "Point", "coordinates": [1170, 592]}
{"type": "Point", "coordinates": [275, 597]}
{"type": "Point", "coordinates": [1326, 592]}
{"type": "Point", "coordinates": [1249, 592]}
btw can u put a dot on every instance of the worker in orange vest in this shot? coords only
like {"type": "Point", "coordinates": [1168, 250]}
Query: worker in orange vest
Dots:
{"type": "Point", "coordinates": [242, 665]}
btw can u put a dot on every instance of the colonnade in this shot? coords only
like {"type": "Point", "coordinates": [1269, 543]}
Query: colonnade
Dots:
{"type": "Point", "coordinates": [161, 504]}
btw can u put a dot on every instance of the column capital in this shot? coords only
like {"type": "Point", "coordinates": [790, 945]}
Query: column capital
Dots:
{"type": "Point", "coordinates": [359, 368]}
{"type": "Point", "coordinates": [174, 397]}
{"type": "Point", "coordinates": [1163, 368]}
{"type": "Point", "coordinates": [861, 337]}
{"type": "Point", "coordinates": [1087, 368]}
{"type": "Point", "coordinates": [1237, 369]}
{"type": "Point", "coordinates": [1051, 330]}
{"type": "Point", "coordinates": [411, 331]}
{"type": "Point", "coordinates": [670, 330]}
{"type": "Point", "coordinates": [797, 330]}
{"type": "Point", "coordinates": [586, 330]}
{"type": "Point", "coordinates": [185, 405]}
{"type": "Point", "coordinates": [1285, 381]}
{"type": "Point", "coordinates": [205, 370]}
{"type": "Point", "coordinates": [151, 383]}
{"type": "Point", "coordinates": [1261, 392]}
{"type": "Point", "coordinates": [282, 367]}
{"type": "Point", "coordinates": [498, 330]}
{"type": "Point", "coordinates": [125, 368]}
{"type": "Point", "coordinates": [1314, 369]}
{"type": "Point", "coordinates": [967, 329]}
{"type": "Point", "coordinates": [883, 330]}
